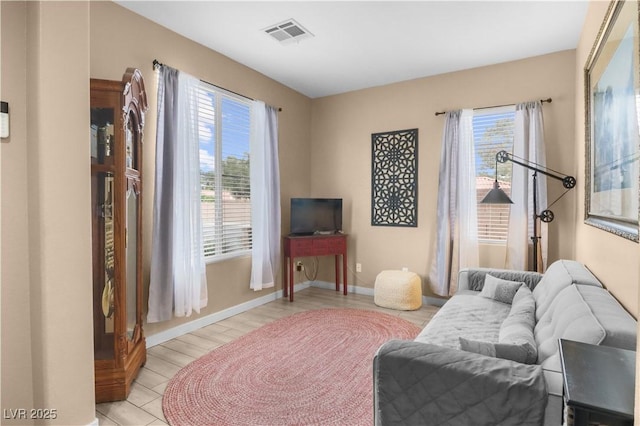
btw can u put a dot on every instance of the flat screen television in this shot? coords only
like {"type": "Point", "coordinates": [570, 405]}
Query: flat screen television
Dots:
{"type": "Point", "coordinates": [316, 216]}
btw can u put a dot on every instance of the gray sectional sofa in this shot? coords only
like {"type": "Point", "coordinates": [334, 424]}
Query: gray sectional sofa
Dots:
{"type": "Point", "coordinates": [432, 381]}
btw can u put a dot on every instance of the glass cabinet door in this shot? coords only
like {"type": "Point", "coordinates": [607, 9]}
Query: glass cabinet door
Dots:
{"type": "Point", "coordinates": [103, 187]}
{"type": "Point", "coordinates": [102, 136]}
{"type": "Point", "coordinates": [104, 281]}
{"type": "Point", "coordinates": [131, 241]}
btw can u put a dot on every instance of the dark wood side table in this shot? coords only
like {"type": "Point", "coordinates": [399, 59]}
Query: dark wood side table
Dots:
{"type": "Point", "coordinates": [599, 383]}
{"type": "Point", "coordinates": [314, 245]}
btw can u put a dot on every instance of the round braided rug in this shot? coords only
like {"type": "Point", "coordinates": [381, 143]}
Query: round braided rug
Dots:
{"type": "Point", "coordinates": [311, 368]}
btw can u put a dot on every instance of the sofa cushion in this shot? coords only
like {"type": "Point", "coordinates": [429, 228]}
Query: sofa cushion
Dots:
{"type": "Point", "coordinates": [524, 297]}
{"type": "Point", "coordinates": [569, 317]}
{"type": "Point", "coordinates": [515, 339]}
{"type": "Point", "coordinates": [559, 275]}
{"type": "Point", "coordinates": [499, 289]}
{"type": "Point", "coordinates": [519, 352]}
{"type": "Point", "coordinates": [619, 325]}
{"type": "Point", "coordinates": [465, 315]}
{"type": "Point", "coordinates": [518, 327]}
{"type": "Point", "coordinates": [473, 279]}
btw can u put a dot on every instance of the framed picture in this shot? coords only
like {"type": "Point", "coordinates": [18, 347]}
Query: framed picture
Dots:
{"type": "Point", "coordinates": [612, 102]}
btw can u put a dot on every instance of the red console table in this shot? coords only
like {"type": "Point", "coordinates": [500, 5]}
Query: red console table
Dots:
{"type": "Point", "coordinates": [314, 245]}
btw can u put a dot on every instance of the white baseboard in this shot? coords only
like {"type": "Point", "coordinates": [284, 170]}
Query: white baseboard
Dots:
{"type": "Point", "coordinates": [368, 291]}
{"type": "Point", "coordinates": [198, 323]}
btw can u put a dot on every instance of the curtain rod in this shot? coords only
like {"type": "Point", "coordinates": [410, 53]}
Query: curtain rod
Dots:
{"type": "Point", "coordinates": [495, 106]}
{"type": "Point", "coordinates": [157, 64]}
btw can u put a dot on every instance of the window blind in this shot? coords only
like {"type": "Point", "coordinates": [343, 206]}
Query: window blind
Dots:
{"type": "Point", "coordinates": [224, 170]}
{"type": "Point", "coordinates": [493, 132]}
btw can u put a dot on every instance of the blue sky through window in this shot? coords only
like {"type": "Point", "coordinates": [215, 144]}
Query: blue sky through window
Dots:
{"type": "Point", "coordinates": [235, 128]}
{"type": "Point", "coordinates": [235, 122]}
{"type": "Point", "coordinates": [207, 129]}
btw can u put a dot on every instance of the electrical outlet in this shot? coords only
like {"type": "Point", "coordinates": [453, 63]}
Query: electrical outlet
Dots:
{"type": "Point", "coordinates": [358, 267]}
{"type": "Point", "coordinates": [299, 266]}
{"type": "Point", "coordinates": [405, 269]}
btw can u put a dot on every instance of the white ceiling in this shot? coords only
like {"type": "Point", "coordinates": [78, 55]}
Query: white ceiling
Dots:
{"type": "Point", "coordinates": [361, 44]}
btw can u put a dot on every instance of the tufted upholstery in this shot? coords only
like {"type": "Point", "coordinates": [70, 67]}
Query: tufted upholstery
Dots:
{"type": "Point", "coordinates": [570, 303]}
{"type": "Point", "coordinates": [559, 275]}
{"type": "Point", "coordinates": [568, 317]}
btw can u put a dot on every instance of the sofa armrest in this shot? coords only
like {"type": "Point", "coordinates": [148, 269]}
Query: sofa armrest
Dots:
{"type": "Point", "coordinates": [473, 278]}
{"type": "Point", "coordinates": [418, 383]}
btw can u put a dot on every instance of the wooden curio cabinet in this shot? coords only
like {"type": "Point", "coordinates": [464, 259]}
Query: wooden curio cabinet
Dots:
{"type": "Point", "coordinates": [117, 122]}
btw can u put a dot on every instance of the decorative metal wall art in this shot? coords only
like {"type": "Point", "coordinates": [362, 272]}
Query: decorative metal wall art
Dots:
{"type": "Point", "coordinates": [394, 178]}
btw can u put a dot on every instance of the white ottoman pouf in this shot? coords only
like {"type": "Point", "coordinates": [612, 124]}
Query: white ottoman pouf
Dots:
{"type": "Point", "coordinates": [398, 290]}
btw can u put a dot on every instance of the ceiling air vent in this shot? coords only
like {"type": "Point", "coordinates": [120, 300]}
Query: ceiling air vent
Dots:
{"type": "Point", "coordinates": [288, 31]}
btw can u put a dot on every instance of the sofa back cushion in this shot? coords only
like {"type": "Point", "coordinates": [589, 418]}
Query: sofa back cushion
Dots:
{"type": "Point", "coordinates": [518, 327]}
{"type": "Point", "coordinates": [515, 341]}
{"type": "Point", "coordinates": [569, 317]}
{"type": "Point", "coordinates": [473, 279]}
{"type": "Point", "coordinates": [560, 275]}
{"type": "Point", "coordinates": [620, 326]}
{"type": "Point", "coordinates": [583, 313]}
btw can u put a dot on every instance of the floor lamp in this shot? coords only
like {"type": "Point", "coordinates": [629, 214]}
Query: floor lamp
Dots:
{"type": "Point", "coordinates": [497, 196]}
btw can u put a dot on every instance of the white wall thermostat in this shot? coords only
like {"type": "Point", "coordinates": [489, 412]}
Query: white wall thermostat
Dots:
{"type": "Point", "coordinates": [4, 120]}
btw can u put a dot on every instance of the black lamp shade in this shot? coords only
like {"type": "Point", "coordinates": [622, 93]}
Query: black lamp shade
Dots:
{"type": "Point", "coordinates": [496, 196]}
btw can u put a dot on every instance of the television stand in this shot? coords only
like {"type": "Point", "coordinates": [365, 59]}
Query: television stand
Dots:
{"type": "Point", "coordinates": [314, 245]}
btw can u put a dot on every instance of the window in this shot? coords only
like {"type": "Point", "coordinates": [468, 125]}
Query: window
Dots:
{"type": "Point", "coordinates": [493, 132]}
{"type": "Point", "coordinates": [224, 121]}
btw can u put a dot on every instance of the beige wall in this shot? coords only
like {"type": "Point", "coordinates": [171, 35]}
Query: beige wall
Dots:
{"type": "Point", "coordinates": [114, 48]}
{"type": "Point", "coordinates": [47, 359]}
{"type": "Point", "coordinates": [47, 355]}
{"type": "Point", "coordinates": [341, 160]}
{"type": "Point", "coordinates": [17, 377]}
{"type": "Point", "coordinates": [612, 259]}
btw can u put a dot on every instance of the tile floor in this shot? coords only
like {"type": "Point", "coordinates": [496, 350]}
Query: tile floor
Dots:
{"type": "Point", "coordinates": [144, 405]}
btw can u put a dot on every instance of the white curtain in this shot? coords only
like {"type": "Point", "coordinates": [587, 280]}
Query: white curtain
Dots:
{"type": "Point", "coordinates": [528, 144]}
{"type": "Point", "coordinates": [457, 218]}
{"type": "Point", "coordinates": [178, 279]}
{"type": "Point", "coordinates": [265, 196]}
